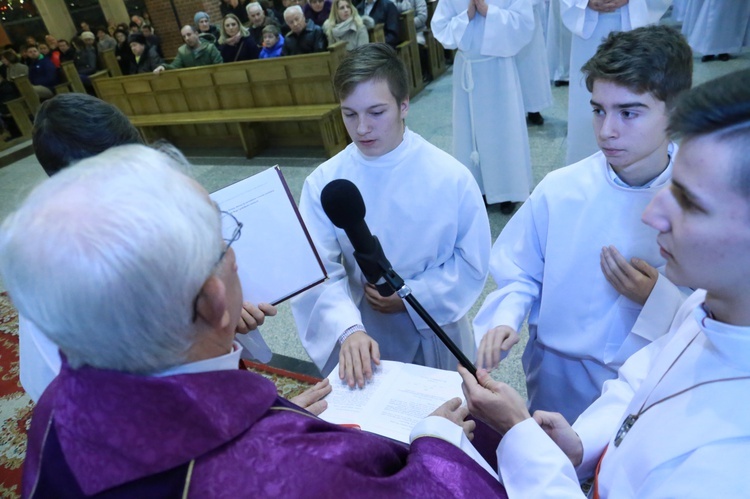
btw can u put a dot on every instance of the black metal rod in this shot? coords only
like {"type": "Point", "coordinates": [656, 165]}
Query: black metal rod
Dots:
{"type": "Point", "coordinates": [395, 281]}
{"type": "Point", "coordinates": [441, 334]}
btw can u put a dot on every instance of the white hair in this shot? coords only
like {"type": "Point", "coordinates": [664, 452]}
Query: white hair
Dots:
{"type": "Point", "coordinates": [292, 9]}
{"type": "Point", "coordinates": [107, 257]}
{"type": "Point", "coordinates": [253, 5]}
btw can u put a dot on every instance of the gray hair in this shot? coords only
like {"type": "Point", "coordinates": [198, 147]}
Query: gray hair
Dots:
{"type": "Point", "coordinates": [106, 259]}
{"type": "Point", "coordinates": [253, 5]}
{"type": "Point", "coordinates": [293, 8]}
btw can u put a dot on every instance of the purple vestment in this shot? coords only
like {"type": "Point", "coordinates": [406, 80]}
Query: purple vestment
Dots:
{"type": "Point", "coordinates": [114, 428]}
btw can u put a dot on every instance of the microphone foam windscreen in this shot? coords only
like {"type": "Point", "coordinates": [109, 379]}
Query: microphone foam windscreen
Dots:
{"type": "Point", "coordinates": [342, 203]}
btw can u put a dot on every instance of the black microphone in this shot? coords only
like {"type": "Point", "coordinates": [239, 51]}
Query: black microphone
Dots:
{"type": "Point", "coordinates": [344, 206]}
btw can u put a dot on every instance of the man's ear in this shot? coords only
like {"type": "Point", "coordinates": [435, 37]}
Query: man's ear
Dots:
{"type": "Point", "coordinates": [212, 303]}
{"type": "Point", "coordinates": [404, 107]}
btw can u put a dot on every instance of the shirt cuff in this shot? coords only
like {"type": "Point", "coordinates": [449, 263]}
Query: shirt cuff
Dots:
{"type": "Point", "coordinates": [444, 429]}
{"type": "Point", "coordinates": [350, 331]}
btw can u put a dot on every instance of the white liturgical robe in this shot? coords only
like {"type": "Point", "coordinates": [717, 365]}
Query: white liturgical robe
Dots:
{"type": "Point", "coordinates": [546, 264]}
{"type": "Point", "coordinates": [427, 212]}
{"type": "Point", "coordinates": [589, 28]}
{"type": "Point", "coordinates": [489, 124]}
{"type": "Point", "coordinates": [717, 26]}
{"type": "Point", "coordinates": [690, 440]}
{"type": "Point", "coordinates": [533, 68]}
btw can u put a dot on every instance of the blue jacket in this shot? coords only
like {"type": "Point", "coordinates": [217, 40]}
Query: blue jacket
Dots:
{"type": "Point", "coordinates": [274, 51]}
{"type": "Point", "coordinates": [43, 72]}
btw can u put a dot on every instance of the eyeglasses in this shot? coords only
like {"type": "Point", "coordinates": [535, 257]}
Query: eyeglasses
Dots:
{"type": "Point", "coordinates": [231, 230]}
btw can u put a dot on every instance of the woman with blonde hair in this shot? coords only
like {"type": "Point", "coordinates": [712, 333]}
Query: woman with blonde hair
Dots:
{"type": "Point", "coordinates": [235, 42]}
{"type": "Point", "coordinates": [345, 24]}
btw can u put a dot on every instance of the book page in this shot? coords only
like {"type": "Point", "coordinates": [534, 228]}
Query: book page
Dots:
{"type": "Point", "coordinates": [399, 396]}
{"type": "Point", "coordinates": [275, 257]}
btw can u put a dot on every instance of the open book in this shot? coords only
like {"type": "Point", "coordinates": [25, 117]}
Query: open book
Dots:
{"type": "Point", "coordinates": [276, 258]}
{"type": "Point", "coordinates": [397, 398]}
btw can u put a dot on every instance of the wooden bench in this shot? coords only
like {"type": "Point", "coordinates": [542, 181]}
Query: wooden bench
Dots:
{"type": "Point", "coordinates": [376, 33]}
{"type": "Point", "coordinates": [108, 62]}
{"type": "Point", "coordinates": [408, 51]}
{"type": "Point", "coordinates": [436, 60]}
{"type": "Point", "coordinates": [24, 108]}
{"type": "Point", "coordinates": [283, 101]}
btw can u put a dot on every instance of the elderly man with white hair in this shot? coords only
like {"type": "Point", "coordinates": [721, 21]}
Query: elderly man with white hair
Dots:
{"type": "Point", "coordinates": [304, 37]}
{"type": "Point", "coordinates": [258, 21]}
{"type": "Point", "coordinates": [127, 265]}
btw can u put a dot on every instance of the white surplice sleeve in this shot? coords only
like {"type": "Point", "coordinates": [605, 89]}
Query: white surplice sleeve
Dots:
{"type": "Point", "coordinates": [581, 20]}
{"type": "Point", "coordinates": [508, 27]}
{"type": "Point", "coordinates": [324, 312]}
{"type": "Point", "coordinates": [530, 464]}
{"type": "Point", "coordinates": [517, 266]}
{"type": "Point", "coordinates": [448, 289]}
{"type": "Point", "coordinates": [449, 22]}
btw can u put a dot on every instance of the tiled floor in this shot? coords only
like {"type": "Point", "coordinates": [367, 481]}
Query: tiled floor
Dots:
{"type": "Point", "coordinates": [430, 115]}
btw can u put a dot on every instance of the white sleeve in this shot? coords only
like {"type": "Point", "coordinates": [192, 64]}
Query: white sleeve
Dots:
{"type": "Point", "coordinates": [442, 428]}
{"type": "Point", "coordinates": [530, 464]}
{"type": "Point", "coordinates": [449, 22]}
{"type": "Point", "coordinates": [517, 266]}
{"type": "Point", "coordinates": [578, 18]}
{"type": "Point", "coordinates": [39, 359]}
{"type": "Point", "coordinates": [448, 289]}
{"type": "Point", "coordinates": [324, 312]}
{"type": "Point", "coordinates": [644, 12]}
{"type": "Point", "coordinates": [660, 308]}
{"type": "Point", "coordinates": [508, 28]}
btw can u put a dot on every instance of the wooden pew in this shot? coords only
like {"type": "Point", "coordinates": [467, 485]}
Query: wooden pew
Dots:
{"type": "Point", "coordinates": [376, 33]}
{"type": "Point", "coordinates": [282, 101]}
{"type": "Point", "coordinates": [28, 94]}
{"type": "Point", "coordinates": [436, 61]}
{"type": "Point", "coordinates": [408, 51]}
{"type": "Point", "coordinates": [108, 62]}
{"type": "Point", "coordinates": [19, 110]}
{"type": "Point", "coordinates": [69, 73]}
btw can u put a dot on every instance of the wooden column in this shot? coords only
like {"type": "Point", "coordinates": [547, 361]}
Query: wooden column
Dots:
{"type": "Point", "coordinates": [115, 11]}
{"type": "Point", "coordinates": [56, 18]}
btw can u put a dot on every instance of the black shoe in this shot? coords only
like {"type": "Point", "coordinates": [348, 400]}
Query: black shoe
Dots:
{"type": "Point", "coordinates": [535, 119]}
{"type": "Point", "coordinates": [507, 207]}
{"type": "Point", "coordinates": [707, 58]}
{"type": "Point", "coordinates": [561, 83]}
{"type": "Point", "coordinates": [724, 57]}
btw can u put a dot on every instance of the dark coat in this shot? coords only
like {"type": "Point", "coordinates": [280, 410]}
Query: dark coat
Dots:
{"type": "Point", "coordinates": [238, 11]}
{"type": "Point", "coordinates": [386, 13]}
{"type": "Point", "coordinates": [311, 40]}
{"type": "Point", "coordinates": [317, 17]}
{"type": "Point", "coordinates": [245, 50]}
{"type": "Point", "coordinates": [149, 61]}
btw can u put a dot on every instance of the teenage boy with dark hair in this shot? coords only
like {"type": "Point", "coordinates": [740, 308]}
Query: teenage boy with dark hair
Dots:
{"type": "Point", "coordinates": [674, 423]}
{"type": "Point", "coordinates": [548, 260]}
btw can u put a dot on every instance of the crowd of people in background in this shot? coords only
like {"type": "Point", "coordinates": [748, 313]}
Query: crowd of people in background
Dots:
{"type": "Point", "coordinates": [247, 30]}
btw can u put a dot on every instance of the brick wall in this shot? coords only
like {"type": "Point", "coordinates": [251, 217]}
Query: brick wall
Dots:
{"type": "Point", "coordinates": [168, 27]}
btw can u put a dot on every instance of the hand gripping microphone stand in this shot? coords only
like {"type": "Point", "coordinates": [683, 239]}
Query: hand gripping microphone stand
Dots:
{"type": "Point", "coordinates": [378, 267]}
{"type": "Point", "coordinates": [344, 206]}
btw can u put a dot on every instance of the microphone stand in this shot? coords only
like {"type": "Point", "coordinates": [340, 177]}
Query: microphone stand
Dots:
{"type": "Point", "coordinates": [374, 266]}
